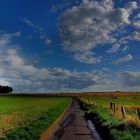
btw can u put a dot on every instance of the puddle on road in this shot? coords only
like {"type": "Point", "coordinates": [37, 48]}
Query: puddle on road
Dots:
{"type": "Point", "coordinates": [92, 128]}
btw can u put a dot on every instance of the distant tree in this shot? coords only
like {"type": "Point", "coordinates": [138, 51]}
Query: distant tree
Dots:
{"type": "Point", "coordinates": [5, 89]}
{"type": "Point", "coordinates": [117, 91]}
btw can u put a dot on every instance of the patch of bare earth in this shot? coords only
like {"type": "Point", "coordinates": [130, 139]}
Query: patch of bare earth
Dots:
{"type": "Point", "coordinates": [9, 121]}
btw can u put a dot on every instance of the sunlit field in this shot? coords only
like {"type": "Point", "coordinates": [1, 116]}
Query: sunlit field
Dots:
{"type": "Point", "coordinates": [28, 117]}
{"type": "Point", "coordinates": [118, 114]}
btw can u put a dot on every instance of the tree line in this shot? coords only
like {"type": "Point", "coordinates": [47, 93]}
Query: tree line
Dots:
{"type": "Point", "coordinates": [5, 89]}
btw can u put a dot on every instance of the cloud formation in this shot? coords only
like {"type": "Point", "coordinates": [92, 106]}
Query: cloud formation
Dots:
{"type": "Point", "coordinates": [92, 23]}
{"type": "Point", "coordinates": [39, 30]}
{"type": "Point", "coordinates": [137, 21]}
{"type": "Point", "coordinates": [125, 58]}
{"type": "Point", "coordinates": [30, 78]}
{"type": "Point", "coordinates": [130, 79]}
{"type": "Point", "coordinates": [26, 77]}
{"type": "Point", "coordinates": [21, 75]}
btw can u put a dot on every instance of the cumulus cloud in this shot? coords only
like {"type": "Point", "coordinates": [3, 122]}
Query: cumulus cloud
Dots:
{"type": "Point", "coordinates": [5, 38]}
{"type": "Point", "coordinates": [135, 36]}
{"type": "Point", "coordinates": [4, 82]}
{"type": "Point", "coordinates": [136, 21]}
{"type": "Point", "coordinates": [130, 79]}
{"type": "Point", "coordinates": [114, 48]}
{"type": "Point", "coordinates": [131, 6]}
{"type": "Point", "coordinates": [30, 78]}
{"type": "Point", "coordinates": [87, 57]}
{"type": "Point", "coordinates": [84, 27]}
{"type": "Point", "coordinates": [125, 58]}
{"type": "Point", "coordinates": [25, 77]}
{"type": "Point", "coordinates": [119, 45]}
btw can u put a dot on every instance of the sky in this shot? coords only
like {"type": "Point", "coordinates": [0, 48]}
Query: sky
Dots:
{"type": "Point", "coordinates": [70, 45]}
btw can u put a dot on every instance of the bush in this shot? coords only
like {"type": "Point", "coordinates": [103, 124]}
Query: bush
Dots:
{"type": "Point", "coordinates": [5, 89]}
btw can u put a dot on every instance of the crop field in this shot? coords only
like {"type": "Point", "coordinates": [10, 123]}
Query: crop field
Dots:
{"type": "Point", "coordinates": [28, 117]}
{"type": "Point", "coordinates": [117, 116]}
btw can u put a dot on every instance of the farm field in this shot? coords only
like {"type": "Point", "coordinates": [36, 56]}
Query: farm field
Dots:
{"type": "Point", "coordinates": [28, 117]}
{"type": "Point", "coordinates": [114, 117]}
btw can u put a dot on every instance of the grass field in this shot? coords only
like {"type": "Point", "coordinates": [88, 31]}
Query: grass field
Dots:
{"type": "Point", "coordinates": [27, 117]}
{"type": "Point", "coordinates": [122, 120]}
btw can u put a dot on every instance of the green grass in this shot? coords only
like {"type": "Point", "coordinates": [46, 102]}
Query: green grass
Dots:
{"type": "Point", "coordinates": [121, 100]}
{"type": "Point", "coordinates": [27, 117]}
{"type": "Point", "coordinates": [100, 106]}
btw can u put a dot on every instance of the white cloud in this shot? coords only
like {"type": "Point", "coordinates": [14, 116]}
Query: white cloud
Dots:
{"type": "Point", "coordinates": [131, 6]}
{"type": "Point", "coordinates": [39, 30]}
{"type": "Point", "coordinates": [18, 33]}
{"type": "Point", "coordinates": [47, 41]}
{"type": "Point", "coordinates": [30, 78]}
{"type": "Point", "coordinates": [135, 36]}
{"type": "Point", "coordinates": [130, 79]}
{"type": "Point", "coordinates": [84, 27]}
{"type": "Point", "coordinates": [125, 48]}
{"type": "Point", "coordinates": [136, 21]}
{"type": "Point", "coordinates": [25, 77]}
{"type": "Point", "coordinates": [30, 23]}
{"type": "Point", "coordinates": [87, 57]}
{"type": "Point", "coordinates": [4, 82]}
{"type": "Point", "coordinates": [114, 48]}
{"type": "Point", "coordinates": [4, 40]}
{"type": "Point", "coordinates": [125, 58]}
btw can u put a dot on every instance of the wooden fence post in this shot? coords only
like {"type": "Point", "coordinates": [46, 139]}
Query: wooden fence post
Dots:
{"type": "Point", "coordinates": [111, 105]}
{"type": "Point", "coordinates": [117, 107]}
{"type": "Point", "coordinates": [123, 112]}
{"type": "Point", "coordinates": [138, 112]}
{"type": "Point", "coordinates": [114, 108]}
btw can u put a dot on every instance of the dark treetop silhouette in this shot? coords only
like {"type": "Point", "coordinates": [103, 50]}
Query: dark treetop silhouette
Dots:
{"type": "Point", "coordinates": [5, 89]}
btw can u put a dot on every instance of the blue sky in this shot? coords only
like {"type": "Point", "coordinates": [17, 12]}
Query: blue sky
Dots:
{"type": "Point", "coordinates": [70, 45]}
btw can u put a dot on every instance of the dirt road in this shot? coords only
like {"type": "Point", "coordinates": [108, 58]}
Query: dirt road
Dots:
{"type": "Point", "coordinates": [74, 126]}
